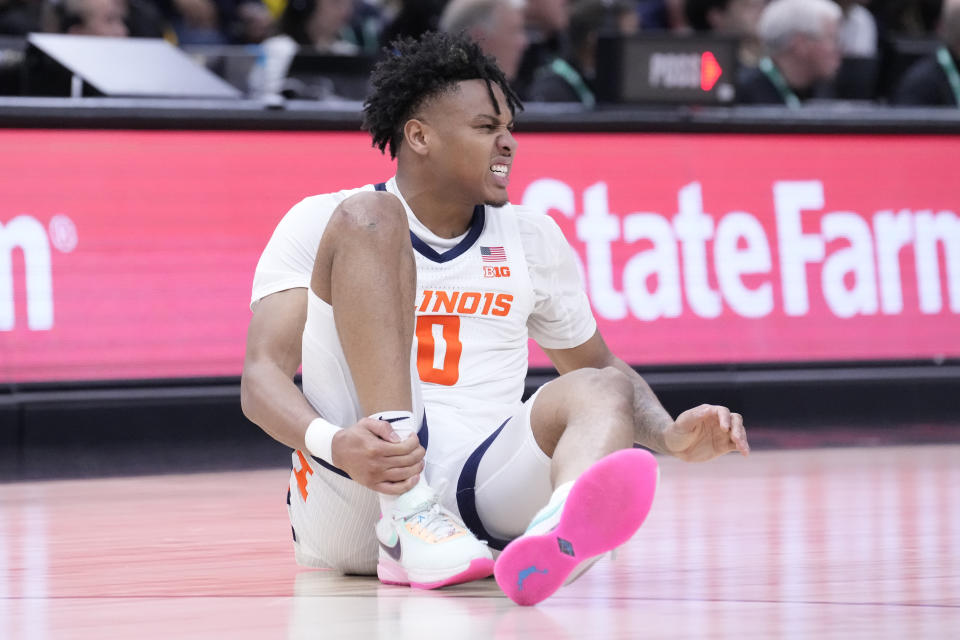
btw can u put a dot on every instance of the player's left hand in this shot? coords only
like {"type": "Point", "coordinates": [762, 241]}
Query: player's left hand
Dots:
{"type": "Point", "coordinates": [705, 432]}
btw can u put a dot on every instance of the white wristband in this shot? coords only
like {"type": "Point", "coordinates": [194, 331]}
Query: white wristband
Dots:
{"type": "Point", "coordinates": [319, 439]}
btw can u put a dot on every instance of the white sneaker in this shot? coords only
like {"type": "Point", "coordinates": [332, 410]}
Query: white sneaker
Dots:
{"type": "Point", "coordinates": [425, 546]}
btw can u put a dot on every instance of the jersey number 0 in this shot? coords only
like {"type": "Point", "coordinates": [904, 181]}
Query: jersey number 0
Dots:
{"type": "Point", "coordinates": [439, 349]}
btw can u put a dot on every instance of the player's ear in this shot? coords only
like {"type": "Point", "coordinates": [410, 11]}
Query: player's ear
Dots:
{"type": "Point", "coordinates": [415, 134]}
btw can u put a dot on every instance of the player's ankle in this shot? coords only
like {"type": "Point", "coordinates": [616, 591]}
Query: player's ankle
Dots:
{"type": "Point", "coordinates": [550, 510]}
{"type": "Point", "coordinates": [401, 421]}
{"type": "Point", "coordinates": [419, 493]}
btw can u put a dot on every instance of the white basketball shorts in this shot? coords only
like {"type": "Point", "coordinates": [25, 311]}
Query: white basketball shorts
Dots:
{"type": "Point", "coordinates": [495, 480]}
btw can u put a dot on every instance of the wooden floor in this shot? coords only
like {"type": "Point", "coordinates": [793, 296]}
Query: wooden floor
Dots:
{"type": "Point", "coordinates": [838, 543]}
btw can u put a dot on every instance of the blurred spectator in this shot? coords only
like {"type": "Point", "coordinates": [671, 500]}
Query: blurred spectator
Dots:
{"type": "Point", "coordinates": [734, 18]}
{"type": "Point", "coordinates": [19, 17]}
{"type": "Point", "coordinates": [935, 81]}
{"type": "Point", "coordinates": [196, 22]}
{"type": "Point", "coordinates": [662, 15]}
{"type": "Point", "coordinates": [915, 18]}
{"type": "Point", "coordinates": [627, 17]}
{"type": "Point", "coordinates": [907, 33]}
{"type": "Point", "coordinates": [563, 56]}
{"type": "Point", "coordinates": [414, 17]}
{"type": "Point", "coordinates": [144, 20]}
{"type": "Point", "coordinates": [859, 73]}
{"type": "Point", "coordinates": [306, 24]}
{"type": "Point", "coordinates": [496, 25]}
{"type": "Point", "coordinates": [545, 22]}
{"type": "Point", "coordinates": [546, 73]}
{"type": "Point", "coordinates": [858, 30]}
{"type": "Point", "coordinates": [216, 22]}
{"type": "Point", "coordinates": [86, 17]}
{"type": "Point", "coordinates": [319, 24]}
{"type": "Point", "coordinates": [547, 16]}
{"type": "Point", "coordinates": [252, 23]}
{"type": "Point", "coordinates": [368, 21]}
{"type": "Point", "coordinates": [801, 41]}
{"type": "Point", "coordinates": [589, 19]}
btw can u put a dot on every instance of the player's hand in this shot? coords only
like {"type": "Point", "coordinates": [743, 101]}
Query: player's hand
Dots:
{"type": "Point", "coordinates": [705, 432]}
{"type": "Point", "coordinates": [373, 455]}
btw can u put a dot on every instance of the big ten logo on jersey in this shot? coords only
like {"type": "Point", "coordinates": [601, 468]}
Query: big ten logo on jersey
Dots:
{"type": "Point", "coordinates": [495, 272]}
{"type": "Point", "coordinates": [465, 303]}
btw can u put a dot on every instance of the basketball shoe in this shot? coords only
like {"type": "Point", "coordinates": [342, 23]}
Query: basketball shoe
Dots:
{"type": "Point", "coordinates": [425, 546]}
{"type": "Point", "coordinates": [603, 509]}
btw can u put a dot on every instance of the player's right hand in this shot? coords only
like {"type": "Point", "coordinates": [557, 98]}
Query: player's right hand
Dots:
{"type": "Point", "coordinates": [373, 455]}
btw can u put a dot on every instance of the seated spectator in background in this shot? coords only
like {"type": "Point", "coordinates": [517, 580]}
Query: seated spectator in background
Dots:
{"type": "Point", "coordinates": [733, 18]}
{"type": "Point", "coordinates": [216, 22]}
{"type": "Point", "coordinates": [859, 72]}
{"type": "Point", "coordinates": [589, 19]}
{"type": "Point", "coordinates": [567, 58]}
{"type": "Point", "coordinates": [858, 30]}
{"type": "Point", "coordinates": [915, 18]}
{"type": "Point", "coordinates": [144, 20]}
{"type": "Point", "coordinates": [142, 17]}
{"type": "Point", "coordinates": [316, 25]}
{"type": "Point", "coordinates": [546, 73]}
{"type": "Point", "coordinates": [413, 19]}
{"type": "Point", "coordinates": [627, 17]}
{"type": "Point", "coordinates": [196, 22]}
{"type": "Point", "coordinates": [369, 19]}
{"type": "Point", "coordinates": [496, 25]}
{"type": "Point", "coordinates": [935, 81]}
{"type": "Point", "coordinates": [252, 23]}
{"type": "Point", "coordinates": [319, 24]}
{"type": "Point", "coordinates": [902, 28]}
{"type": "Point", "coordinates": [19, 17]}
{"type": "Point", "coordinates": [86, 17]}
{"type": "Point", "coordinates": [801, 41]}
{"type": "Point", "coordinates": [662, 15]}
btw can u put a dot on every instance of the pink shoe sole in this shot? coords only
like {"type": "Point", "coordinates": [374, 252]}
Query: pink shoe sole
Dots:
{"type": "Point", "coordinates": [394, 574]}
{"type": "Point", "coordinates": [606, 506]}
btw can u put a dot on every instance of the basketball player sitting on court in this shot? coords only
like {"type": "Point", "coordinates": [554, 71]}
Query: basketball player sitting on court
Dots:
{"type": "Point", "coordinates": [410, 303]}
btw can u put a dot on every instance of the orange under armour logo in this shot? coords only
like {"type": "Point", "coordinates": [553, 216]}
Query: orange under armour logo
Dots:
{"type": "Point", "coordinates": [302, 473]}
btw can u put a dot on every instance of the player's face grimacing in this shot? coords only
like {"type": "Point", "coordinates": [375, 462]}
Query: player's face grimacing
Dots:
{"type": "Point", "coordinates": [476, 148]}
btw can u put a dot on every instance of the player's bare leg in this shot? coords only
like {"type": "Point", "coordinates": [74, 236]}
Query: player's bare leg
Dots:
{"type": "Point", "coordinates": [581, 417]}
{"type": "Point", "coordinates": [365, 270]}
{"type": "Point", "coordinates": [603, 488]}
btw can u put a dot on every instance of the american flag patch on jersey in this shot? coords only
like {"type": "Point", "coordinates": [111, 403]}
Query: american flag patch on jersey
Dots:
{"type": "Point", "coordinates": [493, 254]}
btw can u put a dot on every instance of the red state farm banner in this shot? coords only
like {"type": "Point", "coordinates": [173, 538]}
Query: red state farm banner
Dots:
{"type": "Point", "coordinates": [747, 248]}
{"type": "Point", "coordinates": [131, 254]}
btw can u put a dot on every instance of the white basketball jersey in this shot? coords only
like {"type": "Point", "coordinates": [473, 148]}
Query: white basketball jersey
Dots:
{"type": "Point", "coordinates": [479, 297]}
{"type": "Point", "coordinates": [472, 306]}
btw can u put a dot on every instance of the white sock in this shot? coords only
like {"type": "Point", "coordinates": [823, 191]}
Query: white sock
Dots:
{"type": "Point", "coordinates": [401, 421]}
{"type": "Point", "coordinates": [561, 492]}
{"type": "Point", "coordinates": [403, 425]}
{"type": "Point", "coordinates": [548, 512]}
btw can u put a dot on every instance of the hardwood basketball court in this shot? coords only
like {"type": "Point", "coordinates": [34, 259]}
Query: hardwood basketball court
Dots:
{"type": "Point", "coordinates": [814, 543]}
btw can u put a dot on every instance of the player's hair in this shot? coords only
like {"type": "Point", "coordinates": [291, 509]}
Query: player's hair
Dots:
{"type": "Point", "coordinates": [415, 71]}
{"type": "Point", "coordinates": [781, 20]}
